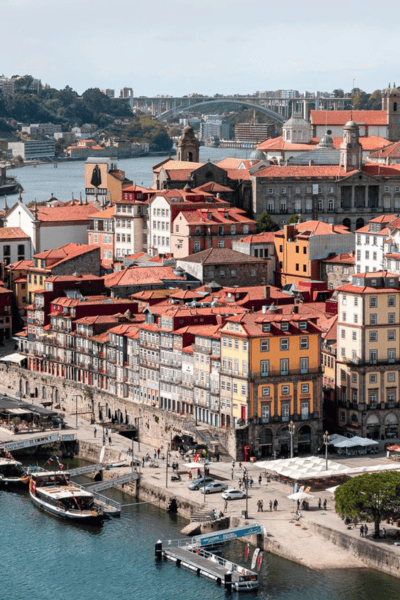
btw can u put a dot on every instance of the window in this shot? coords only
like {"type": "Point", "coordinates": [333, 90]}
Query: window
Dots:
{"type": "Point", "coordinates": [343, 334]}
{"type": "Point", "coordinates": [355, 318]}
{"type": "Point", "coordinates": [304, 365]}
{"type": "Point", "coordinates": [373, 378]}
{"type": "Point", "coordinates": [264, 368]}
{"type": "Point", "coordinates": [391, 318]}
{"type": "Point", "coordinates": [373, 319]}
{"type": "Point", "coordinates": [284, 344]}
{"type": "Point", "coordinates": [344, 317]}
{"type": "Point", "coordinates": [373, 302]}
{"type": "Point", "coordinates": [330, 268]}
{"type": "Point", "coordinates": [303, 325]}
{"type": "Point", "coordinates": [391, 355]}
{"type": "Point", "coordinates": [304, 388]}
{"type": "Point", "coordinates": [391, 377]}
{"type": "Point", "coordinates": [233, 272]}
{"type": "Point", "coordinates": [284, 366]}
{"type": "Point", "coordinates": [264, 346]}
{"type": "Point", "coordinates": [391, 301]}
{"type": "Point", "coordinates": [373, 336]}
{"type": "Point", "coordinates": [373, 357]}
{"type": "Point", "coordinates": [391, 335]}
{"type": "Point", "coordinates": [285, 390]}
{"type": "Point", "coordinates": [303, 343]}
{"type": "Point", "coordinates": [266, 390]}
{"type": "Point", "coordinates": [221, 243]}
{"type": "Point", "coordinates": [197, 247]}
{"type": "Point", "coordinates": [304, 268]}
{"type": "Point", "coordinates": [297, 250]}
{"type": "Point", "coordinates": [285, 412]}
{"type": "Point", "coordinates": [304, 411]}
{"type": "Point", "coordinates": [354, 336]}
{"type": "Point", "coordinates": [265, 415]}
{"type": "Point", "coordinates": [297, 267]}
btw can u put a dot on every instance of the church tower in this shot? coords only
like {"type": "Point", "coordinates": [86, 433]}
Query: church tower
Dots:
{"type": "Point", "coordinates": [391, 105]}
{"type": "Point", "coordinates": [188, 146]}
{"type": "Point", "coordinates": [350, 157]}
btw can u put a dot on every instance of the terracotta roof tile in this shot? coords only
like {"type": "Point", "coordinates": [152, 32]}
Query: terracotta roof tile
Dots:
{"type": "Point", "coordinates": [219, 256]}
{"type": "Point", "coordinates": [140, 276]}
{"type": "Point", "coordinates": [12, 233]}
{"type": "Point", "coordinates": [341, 117]}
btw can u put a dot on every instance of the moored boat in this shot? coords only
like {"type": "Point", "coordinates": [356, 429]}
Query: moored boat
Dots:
{"type": "Point", "coordinates": [8, 185]}
{"type": "Point", "coordinates": [53, 492]}
{"type": "Point", "coordinates": [12, 473]}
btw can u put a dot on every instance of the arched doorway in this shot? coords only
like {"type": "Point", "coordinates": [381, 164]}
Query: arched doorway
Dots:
{"type": "Point", "coordinates": [373, 427]}
{"type": "Point", "coordinates": [359, 223]}
{"type": "Point", "coordinates": [304, 439]}
{"type": "Point", "coordinates": [27, 388]}
{"type": "Point", "coordinates": [284, 441]}
{"type": "Point", "coordinates": [265, 443]}
{"type": "Point", "coordinates": [391, 426]}
{"type": "Point", "coordinates": [347, 223]}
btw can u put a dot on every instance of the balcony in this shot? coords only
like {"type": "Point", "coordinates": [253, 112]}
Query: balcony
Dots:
{"type": "Point", "coordinates": [279, 373]}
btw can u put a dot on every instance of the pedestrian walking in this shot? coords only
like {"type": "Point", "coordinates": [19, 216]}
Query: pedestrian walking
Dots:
{"type": "Point", "coordinates": [240, 465]}
{"type": "Point", "coordinates": [325, 503]}
{"type": "Point", "coordinates": [198, 472]}
{"type": "Point", "coordinates": [365, 530]}
{"type": "Point", "coordinates": [270, 505]}
{"type": "Point", "coordinates": [143, 461]}
{"type": "Point", "coordinates": [154, 454]}
{"type": "Point", "coordinates": [298, 504]}
{"type": "Point", "coordinates": [275, 504]}
{"type": "Point", "coordinates": [258, 505]}
{"type": "Point", "coordinates": [262, 505]}
{"type": "Point", "coordinates": [251, 482]}
{"type": "Point", "coordinates": [158, 452]}
{"type": "Point", "coordinates": [109, 439]}
{"type": "Point", "coordinates": [362, 531]}
{"type": "Point", "coordinates": [232, 473]}
{"type": "Point", "coordinates": [226, 506]}
{"type": "Point", "coordinates": [319, 503]}
{"type": "Point", "coordinates": [260, 480]}
{"type": "Point", "coordinates": [95, 432]}
{"type": "Point", "coordinates": [106, 431]}
{"type": "Point", "coordinates": [240, 484]}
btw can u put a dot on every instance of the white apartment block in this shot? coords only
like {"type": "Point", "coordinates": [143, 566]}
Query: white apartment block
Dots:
{"type": "Point", "coordinates": [159, 240]}
{"type": "Point", "coordinates": [378, 245]}
{"type": "Point", "coordinates": [130, 228]}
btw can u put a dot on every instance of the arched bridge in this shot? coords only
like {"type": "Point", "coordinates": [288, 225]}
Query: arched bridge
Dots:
{"type": "Point", "coordinates": [207, 101]}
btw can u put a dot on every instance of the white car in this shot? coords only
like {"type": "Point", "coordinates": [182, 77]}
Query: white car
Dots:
{"type": "Point", "coordinates": [211, 488]}
{"type": "Point", "coordinates": [233, 495]}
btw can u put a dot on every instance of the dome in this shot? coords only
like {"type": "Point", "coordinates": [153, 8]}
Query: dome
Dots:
{"type": "Point", "coordinates": [297, 130]}
{"type": "Point", "coordinates": [257, 155]}
{"type": "Point", "coordinates": [326, 141]}
{"type": "Point", "coordinates": [351, 124]}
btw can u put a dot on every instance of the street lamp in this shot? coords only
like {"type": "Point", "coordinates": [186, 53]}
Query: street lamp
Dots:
{"type": "Point", "coordinates": [327, 440]}
{"type": "Point", "coordinates": [292, 429]}
{"type": "Point", "coordinates": [166, 469]}
{"type": "Point", "coordinates": [204, 482]}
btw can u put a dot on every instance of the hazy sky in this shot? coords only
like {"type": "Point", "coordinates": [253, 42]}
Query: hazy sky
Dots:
{"type": "Point", "coordinates": [221, 46]}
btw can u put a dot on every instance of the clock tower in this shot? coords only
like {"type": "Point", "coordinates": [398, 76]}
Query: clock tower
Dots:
{"type": "Point", "coordinates": [351, 149]}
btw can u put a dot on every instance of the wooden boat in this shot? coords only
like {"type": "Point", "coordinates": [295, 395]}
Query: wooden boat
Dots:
{"type": "Point", "coordinates": [12, 474]}
{"type": "Point", "coordinates": [53, 492]}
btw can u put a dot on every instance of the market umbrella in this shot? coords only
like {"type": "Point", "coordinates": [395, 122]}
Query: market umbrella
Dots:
{"type": "Point", "coordinates": [299, 496]}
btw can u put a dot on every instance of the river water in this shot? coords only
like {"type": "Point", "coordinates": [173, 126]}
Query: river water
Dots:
{"type": "Point", "coordinates": [44, 558]}
{"type": "Point", "coordinates": [41, 181]}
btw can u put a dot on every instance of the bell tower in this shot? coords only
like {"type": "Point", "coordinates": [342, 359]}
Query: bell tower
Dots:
{"type": "Point", "coordinates": [391, 105]}
{"type": "Point", "coordinates": [350, 157]}
{"type": "Point", "coordinates": [188, 146]}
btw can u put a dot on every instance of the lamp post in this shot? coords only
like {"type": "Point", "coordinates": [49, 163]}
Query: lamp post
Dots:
{"type": "Point", "coordinates": [166, 468]}
{"type": "Point", "coordinates": [326, 439]}
{"type": "Point", "coordinates": [246, 487]}
{"type": "Point", "coordinates": [292, 430]}
{"type": "Point", "coordinates": [204, 482]}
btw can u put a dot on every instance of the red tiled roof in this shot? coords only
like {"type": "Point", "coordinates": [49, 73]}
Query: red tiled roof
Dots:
{"type": "Point", "coordinates": [372, 142]}
{"type": "Point", "coordinates": [212, 188]}
{"type": "Point", "coordinates": [316, 228]}
{"type": "Point", "coordinates": [259, 238]}
{"type": "Point", "coordinates": [23, 265]}
{"type": "Point", "coordinates": [238, 174]}
{"type": "Point", "coordinates": [140, 276]}
{"type": "Point", "coordinates": [57, 214]}
{"type": "Point", "coordinates": [347, 258]}
{"type": "Point", "coordinates": [171, 165]}
{"type": "Point", "coordinates": [210, 216]}
{"type": "Point", "coordinates": [390, 151]}
{"type": "Point", "coordinates": [234, 163]}
{"type": "Point", "coordinates": [12, 233]}
{"type": "Point", "coordinates": [303, 172]}
{"type": "Point", "coordinates": [341, 117]}
{"type": "Point", "coordinates": [220, 256]}
{"type": "Point", "coordinates": [107, 213]}
{"type": "Point", "coordinates": [67, 252]}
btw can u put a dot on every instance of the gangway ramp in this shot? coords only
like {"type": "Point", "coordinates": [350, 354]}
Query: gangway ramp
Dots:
{"type": "Point", "coordinates": [39, 440]}
{"type": "Point", "coordinates": [85, 470]}
{"type": "Point", "coordinates": [225, 535]}
{"type": "Point", "coordinates": [110, 483]}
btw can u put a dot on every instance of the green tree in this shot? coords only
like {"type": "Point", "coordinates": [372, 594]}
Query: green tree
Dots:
{"type": "Point", "coordinates": [370, 497]}
{"type": "Point", "coordinates": [339, 93]}
{"type": "Point", "coordinates": [265, 223]}
{"type": "Point", "coordinates": [294, 219]}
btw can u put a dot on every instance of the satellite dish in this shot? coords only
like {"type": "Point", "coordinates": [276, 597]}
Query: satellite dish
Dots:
{"type": "Point", "coordinates": [102, 453]}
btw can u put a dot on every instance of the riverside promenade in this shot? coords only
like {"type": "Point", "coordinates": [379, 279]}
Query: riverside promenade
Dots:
{"type": "Point", "coordinates": [320, 540]}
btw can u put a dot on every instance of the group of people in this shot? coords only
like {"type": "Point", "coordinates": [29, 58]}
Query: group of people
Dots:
{"type": "Point", "coordinates": [364, 531]}
{"type": "Point", "coordinates": [106, 434]}
{"type": "Point", "coordinates": [272, 505]}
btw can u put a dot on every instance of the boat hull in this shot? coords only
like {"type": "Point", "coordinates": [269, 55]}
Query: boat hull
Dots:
{"type": "Point", "coordinates": [8, 483]}
{"type": "Point", "coordinates": [85, 517]}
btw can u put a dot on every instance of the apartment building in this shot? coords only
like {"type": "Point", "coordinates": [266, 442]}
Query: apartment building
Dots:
{"type": "Point", "coordinates": [368, 353]}
{"type": "Point", "coordinates": [101, 233]}
{"type": "Point", "coordinates": [271, 371]}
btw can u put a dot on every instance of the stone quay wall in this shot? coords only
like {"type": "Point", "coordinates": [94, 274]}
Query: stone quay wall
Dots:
{"type": "Point", "coordinates": [156, 427]}
{"type": "Point", "coordinates": [372, 555]}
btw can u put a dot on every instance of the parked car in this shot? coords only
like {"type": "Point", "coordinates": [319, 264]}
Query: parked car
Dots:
{"type": "Point", "coordinates": [198, 483]}
{"type": "Point", "coordinates": [212, 488]}
{"type": "Point", "coordinates": [233, 495]}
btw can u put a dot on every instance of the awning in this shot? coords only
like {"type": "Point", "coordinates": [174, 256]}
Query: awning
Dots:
{"type": "Point", "coordinates": [18, 411]}
{"type": "Point", "coordinates": [14, 358]}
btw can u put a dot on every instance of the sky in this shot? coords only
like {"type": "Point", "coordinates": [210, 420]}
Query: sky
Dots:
{"type": "Point", "coordinates": [178, 47]}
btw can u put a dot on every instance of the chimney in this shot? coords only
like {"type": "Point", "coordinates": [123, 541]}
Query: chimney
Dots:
{"type": "Point", "coordinates": [295, 310]}
{"type": "Point", "coordinates": [267, 292]}
{"type": "Point", "coordinates": [264, 309]}
{"type": "Point", "coordinates": [311, 162]}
